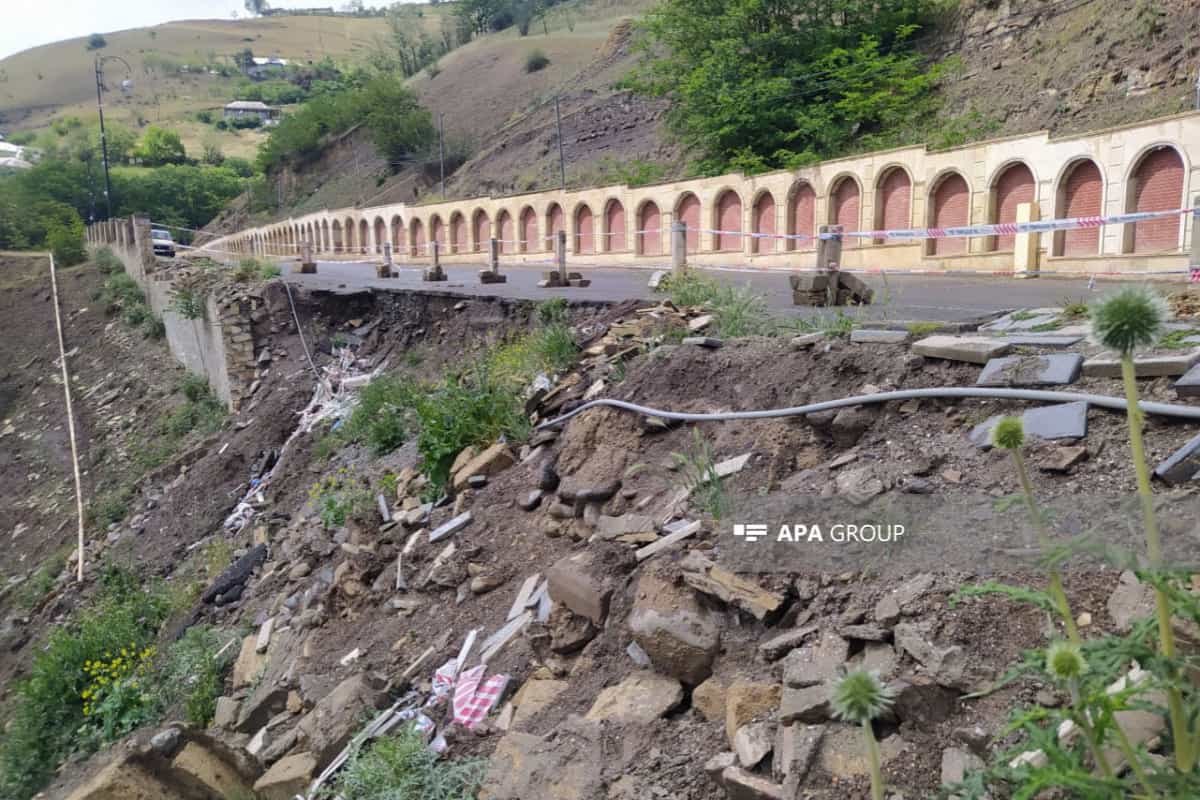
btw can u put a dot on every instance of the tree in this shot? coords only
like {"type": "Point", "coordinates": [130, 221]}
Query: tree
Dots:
{"type": "Point", "coordinates": [480, 15]}
{"type": "Point", "coordinates": [160, 146]}
{"type": "Point", "coordinates": [256, 7]}
{"type": "Point", "coordinates": [757, 84]}
{"type": "Point", "coordinates": [96, 42]}
{"type": "Point", "coordinates": [398, 123]}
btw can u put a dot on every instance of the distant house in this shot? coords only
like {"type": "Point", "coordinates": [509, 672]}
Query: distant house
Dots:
{"type": "Point", "coordinates": [252, 108]}
{"type": "Point", "coordinates": [264, 66]}
{"type": "Point", "coordinates": [10, 150]}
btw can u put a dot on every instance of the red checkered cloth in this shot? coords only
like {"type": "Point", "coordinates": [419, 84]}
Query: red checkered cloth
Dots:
{"type": "Point", "coordinates": [474, 697]}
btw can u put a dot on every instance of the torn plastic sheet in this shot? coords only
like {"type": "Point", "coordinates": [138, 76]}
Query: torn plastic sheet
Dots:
{"type": "Point", "coordinates": [333, 398]}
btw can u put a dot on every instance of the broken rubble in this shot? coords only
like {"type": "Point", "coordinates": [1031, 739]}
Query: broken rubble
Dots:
{"type": "Point", "coordinates": [704, 576]}
{"type": "Point", "coordinates": [578, 583]}
{"type": "Point", "coordinates": [807, 704]}
{"type": "Point", "coordinates": [817, 662]}
{"type": "Point", "coordinates": [709, 700]}
{"type": "Point", "coordinates": [796, 747]}
{"type": "Point", "coordinates": [745, 700]}
{"type": "Point", "coordinates": [287, 777]}
{"type": "Point", "coordinates": [642, 697]}
{"type": "Point", "coordinates": [680, 636]}
{"type": "Point", "coordinates": [753, 743]}
{"type": "Point", "coordinates": [742, 785]}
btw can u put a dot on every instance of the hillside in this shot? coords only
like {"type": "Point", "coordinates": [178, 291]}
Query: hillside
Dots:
{"type": "Point", "coordinates": [1025, 65]}
{"type": "Point", "coordinates": [56, 80]}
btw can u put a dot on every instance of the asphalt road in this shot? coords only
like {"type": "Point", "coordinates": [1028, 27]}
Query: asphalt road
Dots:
{"type": "Point", "coordinates": [943, 298]}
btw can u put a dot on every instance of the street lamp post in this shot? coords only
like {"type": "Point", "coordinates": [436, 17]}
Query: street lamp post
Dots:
{"type": "Point", "coordinates": [103, 138]}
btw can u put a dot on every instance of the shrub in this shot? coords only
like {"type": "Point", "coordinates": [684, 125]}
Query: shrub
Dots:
{"type": "Point", "coordinates": [107, 261]}
{"type": "Point", "coordinates": [554, 310]}
{"type": "Point", "coordinates": [383, 418]}
{"type": "Point", "coordinates": [339, 497]}
{"type": "Point", "coordinates": [252, 270]}
{"type": "Point", "coordinates": [403, 766]}
{"type": "Point", "coordinates": [65, 241]}
{"type": "Point", "coordinates": [49, 706]}
{"type": "Point", "coordinates": [191, 675]}
{"type": "Point", "coordinates": [246, 122]}
{"type": "Point", "coordinates": [536, 61]}
{"type": "Point", "coordinates": [475, 409]}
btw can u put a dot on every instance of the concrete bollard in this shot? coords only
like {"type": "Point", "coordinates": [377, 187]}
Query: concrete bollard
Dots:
{"type": "Point", "coordinates": [434, 272]}
{"type": "Point", "coordinates": [1026, 245]}
{"type": "Point", "coordinates": [492, 273]}
{"type": "Point", "coordinates": [1194, 259]}
{"type": "Point", "coordinates": [678, 247]}
{"type": "Point", "coordinates": [308, 265]}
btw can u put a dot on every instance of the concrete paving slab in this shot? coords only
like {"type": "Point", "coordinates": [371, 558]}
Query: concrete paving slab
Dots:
{"type": "Point", "coordinates": [1062, 421]}
{"type": "Point", "coordinates": [1189, 384]}
{"type": "Point", "coordinates": [1109, 366]}
{"type": "Point", "coordinates": [972, 349]}
{"type": "Point", "coordinates": [1182, 466]}
{"type": "Point", "coordinates": [1057, 369]}
{"type": "Point", "coordinates": [876, 336]}
{"type": "Point", "coordinates": [1037, 340]}
{"type": "Point", "coordinates": [1023, 320]}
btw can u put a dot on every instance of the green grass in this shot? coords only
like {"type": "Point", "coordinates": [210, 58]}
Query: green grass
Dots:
{"type": "Point", "coordinates": [253, 270]}
{"type": "Point", "coordinates": [1175, 340]}
{"type": "Point", "coordinates": [698, 474]}
{"type": "Point", "coordinates": [738, 310]}
{"type": "Point", "coordinates": [122, 296]}
{"type": "Point", "coordinates": [402, 767]}
{"type": "Point", "coordinates": [919, 329]}
{"type": "Point", "coordinates": [1075, 309]}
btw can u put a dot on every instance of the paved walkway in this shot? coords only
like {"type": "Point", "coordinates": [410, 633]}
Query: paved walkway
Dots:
{"type": "Point", "coordinates": [899, 297]}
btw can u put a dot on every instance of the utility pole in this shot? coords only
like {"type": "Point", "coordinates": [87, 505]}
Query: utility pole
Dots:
{"type": "Point", "coordinates": [442, 150]}
{"type": "Point", "coordinates": [1198, 90]}
{"type": "Point", "coordinates": [103, 137]}
{"type": "Point", "coordinates": [562, 162]}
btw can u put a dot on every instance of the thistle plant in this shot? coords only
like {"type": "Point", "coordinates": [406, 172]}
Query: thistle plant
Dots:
{"type": "Point", "coordinates": [1009, 434]}
{"type": "Point", "coordinates": [860, 697]}
{"type": "Point", "coordinates": [1123, 322]}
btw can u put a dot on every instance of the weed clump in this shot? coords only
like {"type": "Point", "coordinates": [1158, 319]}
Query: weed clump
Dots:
{"type": "Point", "coordinates": [403, 766]}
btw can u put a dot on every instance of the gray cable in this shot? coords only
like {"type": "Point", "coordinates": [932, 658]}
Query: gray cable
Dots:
{"type": "Point", "coordinates": [1104, 401]}
{"type": "Point", "coordinates": [316, 373]}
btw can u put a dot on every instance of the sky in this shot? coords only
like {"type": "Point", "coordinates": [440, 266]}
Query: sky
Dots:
{"type": "Point", "coordinates": [29, 24]}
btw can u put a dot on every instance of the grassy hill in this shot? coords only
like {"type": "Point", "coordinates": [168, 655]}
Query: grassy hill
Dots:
{"type": "Point", "coordinates": [57, 80]}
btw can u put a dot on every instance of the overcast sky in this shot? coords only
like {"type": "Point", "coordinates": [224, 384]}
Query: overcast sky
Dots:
{"type": "Point", "coordinates": [25, 24]}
